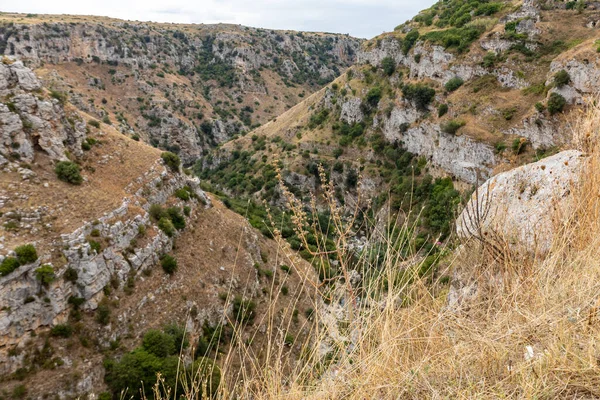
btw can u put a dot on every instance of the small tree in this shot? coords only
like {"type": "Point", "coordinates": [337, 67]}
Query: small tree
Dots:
{"type": "Point", "coordinates": [158, 343]}
{"type": "Point", "coordinates": [171, 160]}
{"type": "Point", "coordinates": [68, 171]}
{"type": "Point", "coordinates": [389, 65]}
{"type": "Point", "coordinates": [45, 274]}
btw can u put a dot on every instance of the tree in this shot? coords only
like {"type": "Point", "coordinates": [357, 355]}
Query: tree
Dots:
{"type": "Point", "coordinates": [45, 274]}
{"type": "Point", "coordinates": [171, 160]}
{"type": "Point", "coordinates": [421, 95]}
{"type": "Point", "coordinates": [158, 343]}
{"type": "Point", "coordinates": [389, 65]}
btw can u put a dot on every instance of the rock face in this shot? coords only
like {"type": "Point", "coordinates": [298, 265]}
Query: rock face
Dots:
{"type": "Point", "coordinates": [189, 84]}
{"type": "Point", "coordinates": [29, 121]}
{"type": "Point", "coordinates": [521, 206]}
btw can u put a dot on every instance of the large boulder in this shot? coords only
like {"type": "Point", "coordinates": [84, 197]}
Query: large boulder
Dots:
{"type": "Point", "coordinates": [523, 206]}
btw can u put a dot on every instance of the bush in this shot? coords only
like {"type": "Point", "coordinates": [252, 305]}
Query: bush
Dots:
{"type": "Point", "coordinates": [26, 254]}
{"type": "Point", "coordinates": [68, 171]}
{"type": "Point", "coordinates": [556, 103]}
{"type": "Point", "coordinates": [45, 274]}
{"type": "Point", "coordinates": [442, 110]}
{"type": "Point", "coordinates": [451, 127]}
{"type": "Point", "coordinates": [489, 59]}
{"type": "Point", "coordinates": [62, 330]}
{"type": "Point", "coordinates": [561, 78]}
{"type": "Point", "coordinates": [95, 246]}
{"type": "Point", "coordinates": [243, 310]}
{"type": "Point", "coordinates": [94, 123]}
{"type": "Point", "coordinates": [389, 65]}
{"type": "Point", "coordinates": [519, 145]}
{"type": "Point", "coordinates": [70, 275]}
{"type": "Point", "coordinates": [9, 264]}
{"type": "Point", "coordinates": [454, 84]}
{"type": "Point", "coordinates": [156, 212]}
{"type": "Point", "coordinates": [182, 194]}
{"type": "Point", "coordinates": [168, 264]}
{"type": "Point", "coordinates": [421, 95]}
{"type": "Point", "coordinates": [171, 160]}
{"type": "Point", "coordinates": [158, 343]}
{"type": "Point", "coordinates": [103, 314]}
{"type": "Point", "coordinates": [177, 219]}
{"type": "Point", "coordinates": [165, 225]}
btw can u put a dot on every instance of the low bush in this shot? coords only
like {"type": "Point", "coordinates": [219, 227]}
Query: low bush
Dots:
{"type": "Point", "coordinates": [420, 95]}
{"type": "Point", "coordinates": [171, 160]}
{"type": "Point", "coordinates": [26, 254]}
{"type": "Point", "coordinates": [62, 330]}
{"type": "Point", "coordinates": [45, 274]}
{"type": "Point", "coordinates": [451, 127]}
{"type": "Point", "coordinates": [8, 265]}
{"type": "Point", "coordinates": [556, 103]}
{"type": "Point", "coordinates": [69, 172]}
{"type": "Point", "coordinates": [165, 225]}
{"type": "Point", "coordinates": [561, 78]}
{"type": "Point", "coordinates": [168, 264]}
{"type": "Point", "coordinates": [453, 84]}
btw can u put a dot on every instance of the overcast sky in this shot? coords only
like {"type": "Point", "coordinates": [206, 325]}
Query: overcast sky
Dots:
{"type": "Point", "coordinates": [360, 18]}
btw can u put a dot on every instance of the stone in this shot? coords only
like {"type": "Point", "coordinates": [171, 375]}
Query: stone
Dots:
{"type": "Point", "coordinates": [525, 203]}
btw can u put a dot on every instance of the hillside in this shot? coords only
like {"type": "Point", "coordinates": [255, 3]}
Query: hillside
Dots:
{"type": "Point", "coordinates": [89, 216]}
{"type": "Point", "coordinates": [184, 88]}
{"type": "Point", "coordinates": [462, 91]}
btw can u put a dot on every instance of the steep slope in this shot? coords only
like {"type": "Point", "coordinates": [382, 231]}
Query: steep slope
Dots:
{"type": "Point", "coordinates": [82, 241]}
{"type": "Point", "coordinates": [464, 90]}
{"type": "Point", "coordinates": [183, 88]}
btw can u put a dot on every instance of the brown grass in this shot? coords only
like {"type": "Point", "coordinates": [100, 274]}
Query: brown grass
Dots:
{"type": "Point", "coordinates": [528, 327]}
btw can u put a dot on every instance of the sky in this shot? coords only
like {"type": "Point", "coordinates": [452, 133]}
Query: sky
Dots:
{"type": "Point", "coordinates": [359, 18]}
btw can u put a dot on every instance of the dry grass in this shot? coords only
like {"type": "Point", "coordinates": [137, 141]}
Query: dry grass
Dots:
{"type": "Point", "coordinates": [528, 327]}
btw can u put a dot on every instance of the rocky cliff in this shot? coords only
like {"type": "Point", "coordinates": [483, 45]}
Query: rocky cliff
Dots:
{"type": "Point", "coordinates": [183, 88]}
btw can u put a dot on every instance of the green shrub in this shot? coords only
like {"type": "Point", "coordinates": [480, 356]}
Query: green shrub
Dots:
{"type": "Point", "coordinates": [389, 65]}
{"type": "Point", "coordinates": [453, 84]}
{"type": "Point", "coordinates": [26, 254]}
{"type": "Point", "coordinates": [409, 41]}
{"type": "Point", "coordinates": [489, 59]}
{"type": "Point", "coordinates": [94, 123]}
{"type": "Point", "coordinates": [285, 269]}
{"type": "Point", "coordinates": [70, 275]}
{"type": "Point", "coordinates": [177, 219]}
{"type": "Point", "coordinates": [243, 310]}
{"type": "Point", "coordinates": [60, 96]}
{"type": "Point", "coordinates": [540, 107]}
{"type": "Point", "coordinates": [171, 160]}
{"type": "Point", "coordinates": [168, 264]}
{"type": "Point", "coordinates": [561, 78]}
{"type": "Point", "coordinates": [95, 246]}
{"type": "Point", "coordinates": [165, 225]}
{"type": "Point", "coordinates": [182, 194]}
{"type": "Point", "coordinates": [519, 145]}
{"type": "Point", "coordinates": [556, 103]}
{"type": "Point", "coordinates": [156, 212]}
{"type": "Point", "coordinates": [45, 274]}
{"type": "Point", "coordinates": [103, 313]}
{"type": "Point", "coordinates": [68, 171]}
{"type": "Point", "coordinates": [442, 110]}
{"type": "Point", "coordinates": [421, 95]}
{"type": "Point", "coordinates": [158, 343]}
{"type": "Point", "coordinates": [95, 233]}
{"type": "Point", "coordinates": [62, 330]}
{"type": "Point", "coordinates": [451, 127]}
{"type": "Point", "coordinates": [9, 264]}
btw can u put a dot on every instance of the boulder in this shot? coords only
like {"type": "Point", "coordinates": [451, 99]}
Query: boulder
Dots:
{"type": "Point", "coordinates": [523, 206]}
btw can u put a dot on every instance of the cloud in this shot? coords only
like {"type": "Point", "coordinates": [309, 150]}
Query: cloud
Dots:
{"type": "Point", "coordinates": [361, 18]}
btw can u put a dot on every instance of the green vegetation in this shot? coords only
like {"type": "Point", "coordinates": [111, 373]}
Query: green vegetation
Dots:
{"type": "Point", "coordinates": [419, 94]}
{"type": "Point", "coordinates": [45, 274]}
{"type": "Point", "coordinates": [165, 225]}
{"type": "Point", "coordinates": [68, 171]}
{"type": "Point", "coordinates": [453, 84]}
{"type": "Point", "coordinates": [243, 310]}
{"type": "Point", "coordinates": [561, 78]}
{"type": "Point", "coordinates": [451, 127]}
{"type": "Point", "coordinates": [556, 103]}
{"type": "Point", "coordinates": [389, 66]}
{"type": "Point", "coordinates": [442, 110]}
{"type": "Point", "coordinates": [26, 254]}
{"type": "Point", "coordinates": [62, 330]}
{"type": "Point", "coordinates": [8, 265]}
{"type": "Point", "coordinates": [168, 264]}
{"type": "Point", "coordinates": [171, 160]}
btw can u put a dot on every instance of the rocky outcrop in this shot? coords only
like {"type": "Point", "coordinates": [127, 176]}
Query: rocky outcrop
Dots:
{"type": "Point", "coordinates": [523, 206]}
{"type": "Point", "coordinates": [27, 305]}
{"type": "Point", "coordinates": [30, 120]}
